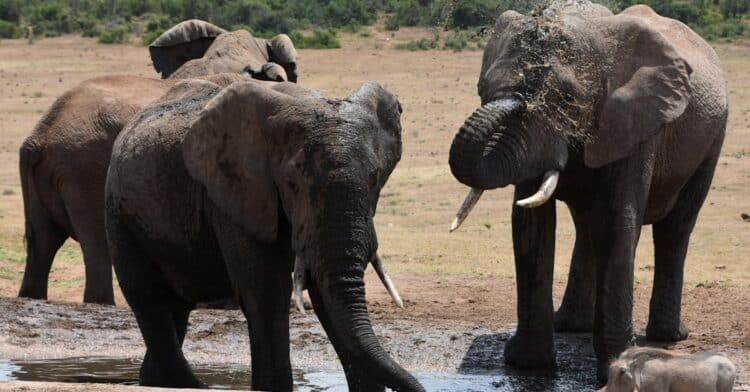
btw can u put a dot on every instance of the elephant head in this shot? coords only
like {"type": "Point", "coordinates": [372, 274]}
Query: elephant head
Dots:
{"type": "Point", "coordinates": [285, 155]}
{"type": "Point", "coordinates": [574, 83]}
{"type": "Point", "coordinates": [196, 48]}
{"type": "Point", "coordinates": [268, 71]}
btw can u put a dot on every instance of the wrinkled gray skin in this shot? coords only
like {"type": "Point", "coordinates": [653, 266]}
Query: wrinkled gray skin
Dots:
{"type": "Point", "coordinates": [631, 110]}
{"type": "Point", "coordinates": [655, 370]}
{"type": "Point", "coordinates": [210, 190]}
{"type": "Point", "coordinates": [63, 165]}
{"type": "Point", "coordinates": [194, 47]}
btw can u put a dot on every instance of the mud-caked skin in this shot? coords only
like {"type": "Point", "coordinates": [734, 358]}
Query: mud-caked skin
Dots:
{"type": "Point", "coordinates": [630, 110]}
{"type": "Point", "coordinates": [63, 163]}
{"type": "Point", "coordinates": [215, 190]}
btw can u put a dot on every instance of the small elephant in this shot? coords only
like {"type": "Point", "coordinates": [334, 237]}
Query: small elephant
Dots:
{"type": "Point", "coordinates": [212, 191]}
{"type": "Point", "coordinates": [622, 117]}
{"type": "Point", "coordinates": [195, 47]}
{"type": "Point", "coordinates": [655, 370]}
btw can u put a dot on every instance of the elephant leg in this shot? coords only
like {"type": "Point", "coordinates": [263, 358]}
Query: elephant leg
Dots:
{"type": "Point", "coordinates": [160, 313]}
{"type": "Point", "coordinates": [671, 237]}
{"type": "Point", "coordinates": [619, 207]}
{"type": "Point", "coordinates": [43, 239]}
{"type": "Point", "coordinates": [357, 377]}
{"type": "Point", "coordinates": [576, 313]}
{"type": "Point", "coordinates": [262, 278]}
{"type": "Point", "coordinates": [84, 211]}
{"type": "Point", "coordinates": [534, 248]}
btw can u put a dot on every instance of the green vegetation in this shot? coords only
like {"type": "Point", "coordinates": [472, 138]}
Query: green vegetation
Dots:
{"type": "Point", "coordinates": [115, 20]}
{"type": "Point", "coordinates": [421, 44]}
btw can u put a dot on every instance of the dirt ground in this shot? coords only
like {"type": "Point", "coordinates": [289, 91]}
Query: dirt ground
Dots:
{"type": "Point", "coordinates": [463, 278]}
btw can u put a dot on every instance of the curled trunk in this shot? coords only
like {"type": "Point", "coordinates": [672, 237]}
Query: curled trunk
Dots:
{"type": "Point", "coordinates": [487, 153]}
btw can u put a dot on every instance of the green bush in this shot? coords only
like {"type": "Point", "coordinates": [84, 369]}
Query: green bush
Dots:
{"type": "Point", "coordinates": [391, 24]}
{"type": "Point", "coordinates": [150, 36]}
{"type": "Point", "coordinates": [9, 29]}
{"type": "Point", "coordinates": [321, 39]}
{"type": "Point", "coordinates": [114, 35]}
{"type": "Point", "coordinates": [457, 42]}
{"type": "Point", "coordinates": [420, 44]}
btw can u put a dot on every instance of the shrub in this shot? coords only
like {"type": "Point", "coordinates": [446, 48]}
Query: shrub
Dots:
{"type": "Point", "coordinates": [9, 29]}
{"type": "Point", "coordinates": [421, 44]}
{"type": "Point", "coordinates": [391, 24]}
{"type": "Point", "coordinates": [457, 42]}
{"type": "Point", "coordinates": [114, 35]}
{"type": "Point", "coordinates": [321, 39]}
{"type": "Point", "coordinates": [150, 36]}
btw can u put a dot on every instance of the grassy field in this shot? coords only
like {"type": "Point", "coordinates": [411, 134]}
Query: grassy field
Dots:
{"type": "Point", "coordinates": [437, 90]}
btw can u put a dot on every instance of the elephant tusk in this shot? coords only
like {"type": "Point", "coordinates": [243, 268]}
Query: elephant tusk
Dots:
{"type": "Point", "coordinates": [471, 200]}
{"type": "Point", "coordinates": [549, 184]}
{"type": "Point", "coordinates": [377, 263]}
{"type": "Point", "coordinates": [298, 277]}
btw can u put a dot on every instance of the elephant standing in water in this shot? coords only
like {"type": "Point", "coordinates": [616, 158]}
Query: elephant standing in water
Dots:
{"type": "Point", "coordinates": [210, 190]}
{"type": "Point", "coordinates": [63, 163]}
{"type": "Point", "coordinates": [622, 117]}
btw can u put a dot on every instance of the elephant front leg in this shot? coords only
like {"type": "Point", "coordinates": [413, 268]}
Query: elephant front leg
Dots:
{"type": "Point", "coordinates": [576, 313]}
{"type": "Point", "coordinates": [534, 247]}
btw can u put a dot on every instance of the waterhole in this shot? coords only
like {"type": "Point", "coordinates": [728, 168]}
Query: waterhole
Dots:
{"type": "Point", "coordinates": [219, 376]}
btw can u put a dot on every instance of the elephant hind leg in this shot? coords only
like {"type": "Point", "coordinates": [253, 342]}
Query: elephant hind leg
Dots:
{"type": "Point", "coordinates": [576, 313]}
{"type": "Point", "coordinates": [160, 313]}
{"type": "Point", "coordinates": [671, 237]}
{"type": "Point", "coordinates": [43, 239]}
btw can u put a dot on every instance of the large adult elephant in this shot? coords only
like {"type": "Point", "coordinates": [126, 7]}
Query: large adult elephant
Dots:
{"type": "Point", "coordinates": [210, 190]}
{"type": "Point", "coordinates": [63, 163]}
{"type": "Point", "coordinates": [621, 117]}
{"type": "Point", "coordinates": [195, 47]}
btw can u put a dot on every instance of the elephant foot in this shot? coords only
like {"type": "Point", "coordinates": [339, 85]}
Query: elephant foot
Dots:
{"type": "Point", "coordinates": [529, 351]}
{"type": "Point", "coordinates": [99, 298]}
{"type": "Point", "coordinates": [30, 292]}
{"type": "Point", "coordinates": [167, 375]}
{"type": "Point", "coordinates": [602, 373]}
{"type": "Point", "coordinates": [664, 332]}
{"type": "Point", "coordinates": [571, 321]}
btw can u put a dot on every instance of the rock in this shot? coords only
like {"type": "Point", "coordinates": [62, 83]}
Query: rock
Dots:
{"type": "Point", "coordinates": [745, 217]}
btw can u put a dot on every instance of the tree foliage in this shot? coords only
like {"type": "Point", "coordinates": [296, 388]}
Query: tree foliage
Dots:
{"type": "Point", "coordinates": [712, 18]}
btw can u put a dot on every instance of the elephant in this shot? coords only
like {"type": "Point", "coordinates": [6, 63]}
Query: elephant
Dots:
{"type": "Point", "coordinates": [655, 370]}
{"type": "Point", "coordinates": [257, 190]}
{"type": "Point", "coordinates": [621, 117]}
{"type": "Point", "coordinates": [195, 47]}
{"type": "Point", "coordinates": [63, 166]}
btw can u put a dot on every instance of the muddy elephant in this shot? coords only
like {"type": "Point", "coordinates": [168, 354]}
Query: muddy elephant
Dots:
{"type": "Point", "coordinates": [622, 117]}
{"type": "Point", "coordinates": [63, 165]}
{"type": "Point", "coordinates": [243, 188]}
{"type": "Point", "coordinates": [656, 370]}
{"type": "Point", "coordinates": [194, 47]}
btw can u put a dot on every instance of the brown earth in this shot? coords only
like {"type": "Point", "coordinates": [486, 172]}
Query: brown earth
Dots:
{"type": "Point", "coordinates": [464, 277]}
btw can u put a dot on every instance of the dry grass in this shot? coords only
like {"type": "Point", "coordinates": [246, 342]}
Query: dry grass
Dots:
{"type": "Point", "coordinates": [437, 90]}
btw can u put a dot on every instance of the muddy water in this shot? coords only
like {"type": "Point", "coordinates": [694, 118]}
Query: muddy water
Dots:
{"type": "Point", "coordinates": [480, 370]}
{"type": "Point", "coordinates": [96, 344]}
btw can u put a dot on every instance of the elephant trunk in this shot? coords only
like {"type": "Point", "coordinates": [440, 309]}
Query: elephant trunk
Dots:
{"type": "Point", "coordinates": [337, 290]}
{"type": "Point", "coordinates": [486, 153]}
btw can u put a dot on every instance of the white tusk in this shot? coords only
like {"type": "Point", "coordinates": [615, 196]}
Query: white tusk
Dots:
{"type": "Point", "coordinates": [298, 278]}
{"type": "Point", "coordinates": [377, 263]}
{"type": "Point", "coordinates": [544, 193]}
{"type": "Point", "coordinates": [471, 200]}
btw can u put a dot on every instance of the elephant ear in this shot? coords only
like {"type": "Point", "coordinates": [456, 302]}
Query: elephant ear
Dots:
{"type": "Point", "coordinates": [649, 87]}
{"type": "Point", "coordinates": [185, 41]}
{"type": "Point", "coordinates": [281, 51]}
{"type": "Point", "coordinates": [384, 111]}
{"type": "Point", "coordinates": [227, 149]}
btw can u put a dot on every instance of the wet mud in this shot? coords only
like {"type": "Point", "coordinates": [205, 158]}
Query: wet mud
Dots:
{"type": "Point", "coordinates": [41, 341]}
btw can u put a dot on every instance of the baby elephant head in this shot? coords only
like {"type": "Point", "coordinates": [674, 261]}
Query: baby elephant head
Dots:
{"type": "Point", "coordinates": [284, 162]}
